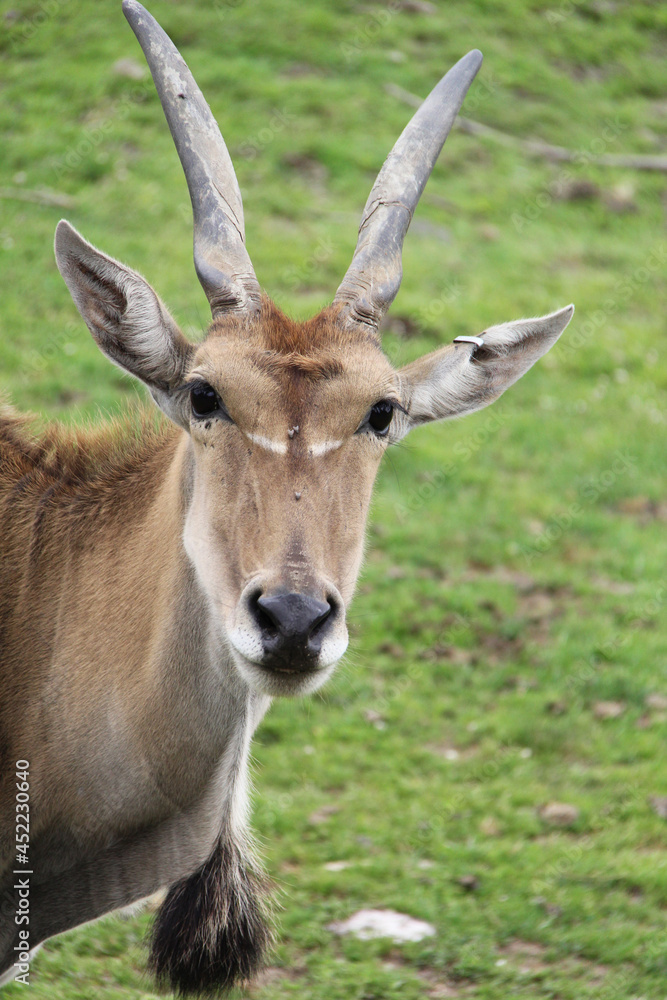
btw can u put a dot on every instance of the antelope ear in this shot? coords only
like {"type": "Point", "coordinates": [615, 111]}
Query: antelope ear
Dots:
{"type": "Point", "coordinates": [125, 316]}
{"type": "Point", "coordinates": [473, 372]}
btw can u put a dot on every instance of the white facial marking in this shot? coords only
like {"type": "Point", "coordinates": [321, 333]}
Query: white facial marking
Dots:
{"type": "Point", "coordinates": [248, 642]}
{"type": "Point", "coordinates": [279, 447]}
{"type": "Point", "coordinates": [322, 447]}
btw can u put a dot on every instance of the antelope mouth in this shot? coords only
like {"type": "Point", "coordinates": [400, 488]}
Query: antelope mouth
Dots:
{"type": "Point", "coordinates": [282, 680]}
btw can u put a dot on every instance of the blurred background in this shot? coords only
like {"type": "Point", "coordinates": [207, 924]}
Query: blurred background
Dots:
{"type": "Point", "coordinates": [490, 757]}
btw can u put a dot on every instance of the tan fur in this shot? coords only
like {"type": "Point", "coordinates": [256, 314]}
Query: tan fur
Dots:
{"type": "Point", "coordinates": [135, 663]}
{"type": "Point", "coordinates": [161, 581]}
{"type": "Point", "coordinates": [128, 552]}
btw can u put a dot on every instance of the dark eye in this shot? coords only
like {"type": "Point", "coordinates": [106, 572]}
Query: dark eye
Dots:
{"type": "Point", "coordinates": [380, 417]}
{"type": "Point", "coordinates": [204, 399]}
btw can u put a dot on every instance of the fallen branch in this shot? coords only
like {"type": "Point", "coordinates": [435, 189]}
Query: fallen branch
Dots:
{"type": "Point", "coordinates": [556, 154]}
{"type": "Point", "coordinates": [41, 196]}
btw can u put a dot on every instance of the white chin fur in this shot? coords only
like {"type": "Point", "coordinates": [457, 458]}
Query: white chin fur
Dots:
{"type": "Point", "coordinates": [278, 684]}
{"type": "Point", "coordinates": [248, 655]}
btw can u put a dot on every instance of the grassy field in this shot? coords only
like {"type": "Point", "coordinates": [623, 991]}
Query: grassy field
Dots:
{"type": "Point", "coordinates": [491, 756]}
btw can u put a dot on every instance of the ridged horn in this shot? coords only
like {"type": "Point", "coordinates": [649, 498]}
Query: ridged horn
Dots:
{"type": "Point", "coordinates": [374, 276]}
{"type": "Point", "coordinates": [221, 259]}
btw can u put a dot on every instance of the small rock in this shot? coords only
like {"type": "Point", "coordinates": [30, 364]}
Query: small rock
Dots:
{"type": "Point", "coordinates": [322, 814]}
{"type": "Point", "coordinates": [559, 813]}
{"type": "Point", "coordinates": [608, 709]}
{"type": "Point", "coordinates": [657, 701]}
{"type": "Point", "coordinates": [620, 587]}
{"type": "Point", "coordinates": [489, 232]}
{"type": "Point", "coordinates": [130, 68]}
{"type": "Point", "coordinates": [468, 882]}
{"type": "Point", "coordinates": [550, 908]}
{"type": "Point", "coordinates": [659, 805]}
{"type": "Point", "coordinates": [337, 866]}
{"type": "Point", "coordinates": [367, 924]}
{"type": "Point", "coordinates": [621, 198]}
{"type": "Point", "coordinates": [370, 715]}
{"type": "Point", "coordinates": [396, 573]}
{"type": "Point", "coordinates": [448, 752]}
{"type": "Point", "coordinates": [417, 6]}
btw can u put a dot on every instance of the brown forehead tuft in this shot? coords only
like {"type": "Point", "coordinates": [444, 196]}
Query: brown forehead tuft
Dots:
{"type": "Point", "coordinates": [311, 346]}
{"type": "Point", "coordinates": [323, 364]}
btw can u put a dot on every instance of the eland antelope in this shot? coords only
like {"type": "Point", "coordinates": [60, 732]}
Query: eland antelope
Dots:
{"type": "Point", "coordinates": [161, 582]}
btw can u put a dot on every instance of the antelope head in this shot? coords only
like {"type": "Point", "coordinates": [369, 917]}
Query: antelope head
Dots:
{"type": "Point", "coordinates": [287, 422]}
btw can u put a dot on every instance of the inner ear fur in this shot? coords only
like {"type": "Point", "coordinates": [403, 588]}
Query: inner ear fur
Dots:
{"type": "Point", "coordinates": [464, 377]}
{"type": "Point", "coordinates": [125, 316]}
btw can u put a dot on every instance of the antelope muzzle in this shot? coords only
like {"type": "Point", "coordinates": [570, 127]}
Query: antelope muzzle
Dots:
{"type": "Point", "coordinates": [288, 642]}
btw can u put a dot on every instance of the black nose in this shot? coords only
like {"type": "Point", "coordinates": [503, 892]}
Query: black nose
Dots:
{"type": "Point", "coordinates": [293, 626]}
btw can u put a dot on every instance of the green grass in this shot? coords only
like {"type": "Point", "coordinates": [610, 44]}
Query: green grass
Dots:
{"type": "Point", "coordinates": [515, 575]}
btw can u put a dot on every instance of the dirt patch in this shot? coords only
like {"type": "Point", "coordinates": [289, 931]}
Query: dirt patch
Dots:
{"type": "Point", "coordinates": [450, 752]}
{"type": "Point", "coordinates": [538, 607]}
{"type": "Point", "coordinates": [309, 169]}
{"type": "Point", "coordinates": [559, 813]}
{"type": "Point", "coordinates": [441, 987]}
{"type": "Point", "coordinates": [605, 710]}
{"type": "Point", "coordinates": [644, 509]}
{"type": "Point", "coordinates": [404, 327]}
{"type": "Point", "coordinates": [322, 814]}
{"type": "Point", "coordinates": [499, 574]}
{"type": "Point", "coordinates": [526, 956]}
{"type": "Point", "coordinates": [273, 975]}
{"type": "Point", "coordinates": [529, 958]}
